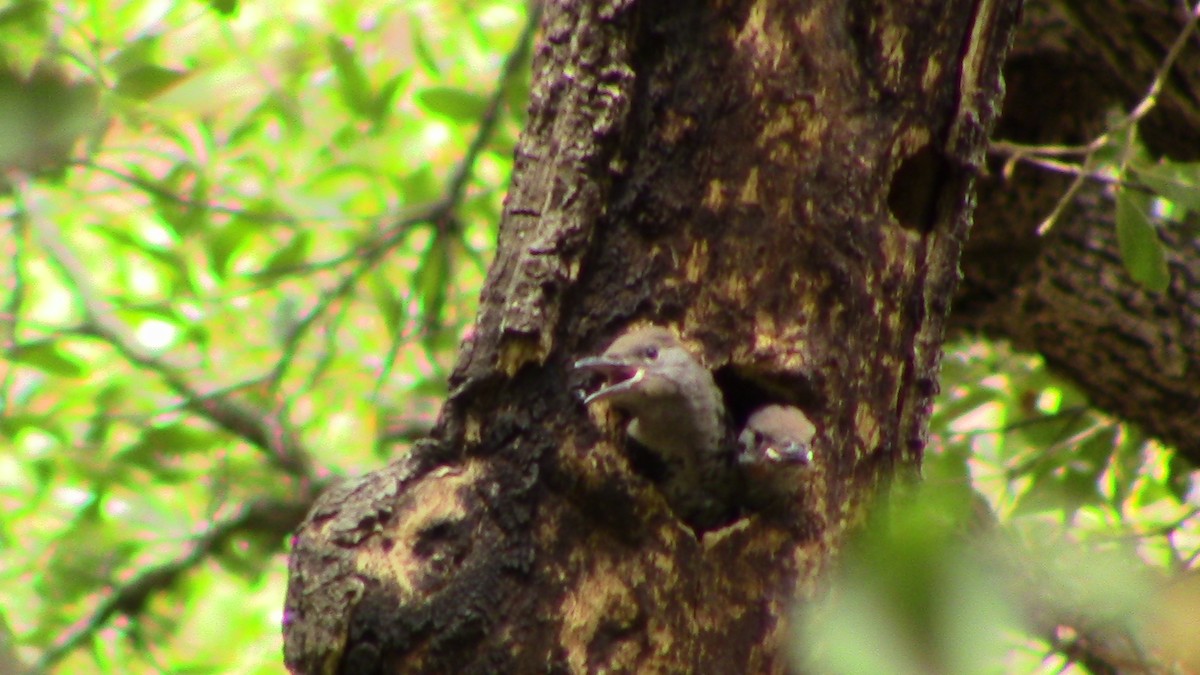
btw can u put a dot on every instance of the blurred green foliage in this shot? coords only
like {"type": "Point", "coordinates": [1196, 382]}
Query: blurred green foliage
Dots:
{"type": "Point", "coordinates": [1042, 529]}
{"type": "Point", "coordinates": [243, 186]}
{"type": "Point", "coordinates": [285, 204]}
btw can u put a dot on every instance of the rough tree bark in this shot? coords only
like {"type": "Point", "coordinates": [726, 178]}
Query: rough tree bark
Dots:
{"type": "Point", "coordinates": [788, 184]}
{"type": "Point", "coordinates": [1067, 295]}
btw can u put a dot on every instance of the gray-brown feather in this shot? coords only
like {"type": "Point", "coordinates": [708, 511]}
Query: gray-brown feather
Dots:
{"type": "Point", "coordinates": [677, 413]}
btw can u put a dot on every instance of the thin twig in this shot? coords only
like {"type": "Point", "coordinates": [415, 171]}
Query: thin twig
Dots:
{"type": "Point", "coordinates": [1072, 170]}
{"type": "Point", "coordinates": [156, 190]}
{"type": "Point", "coordinates": [1009, 148]}
{"type": "Point", "coordinates": [1073, 412]}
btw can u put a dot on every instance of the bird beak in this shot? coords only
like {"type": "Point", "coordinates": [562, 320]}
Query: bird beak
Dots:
{"type": "Point", "coordinates": [620, 376]}
{"type": "Point", "coordinates": [790, 453]}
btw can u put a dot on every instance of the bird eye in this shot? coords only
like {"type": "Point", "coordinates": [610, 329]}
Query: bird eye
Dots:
{"type": "Point", "coordinates": [650, 352]}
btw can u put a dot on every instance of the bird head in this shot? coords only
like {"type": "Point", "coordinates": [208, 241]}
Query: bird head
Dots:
{"type": "Point", "coordinates": [777, 434]}
{"type": "Point", "coordinates": [642, 366]}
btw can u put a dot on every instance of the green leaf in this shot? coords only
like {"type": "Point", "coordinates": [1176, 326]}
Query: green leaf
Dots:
{"type": "Point", "coordinates": [1176, 182]}
{"type": "Point", "coordinates": [420, 186]}
{"type": "Point", "coordinates": [13, 424]}
{"type": "Point", "coordinates": [146, 82]}
{"type": "Point", "coordinates": [87, 553]}
{"type": "Point", "coordinates": [1137, 238]}
{"type": "Point", "coordinates": [286, 318]}
{"type": "Point", "coordinates": [516, 96]}
{"type": "Point", "coordinates": [159, 446]}
{"type": "Point", "coordinates": [135, 54]}
{"type": "Point", "coordinates": [381, 107]}
{"type": "Point", "coordinates": [389, 305]}
{"type": "Point", "coordinates": [46, 356]}
{"type": "Point", "coordinates": [352, 80]}
{"type": "Point", "coordinates": [223, 241]}
{"type": "Point", "coordinates": [184, 213]}
{"type": "Point", "coordinates": [1127, 461]}
{"type": "Point", "coordinates": [289, 257]}
{"type": "Point", "coordinates": [1045, 431]}
{"type": "Point", "coordinates": [431, 281]}
{"type": "Point", "coordinates": [950, 409]}
{"type": "Point", "coordinates": [1179, 476]}
{"type": "Point", "coordinates": [31, 14]}
{"type": "Point", "coordinates": [421, 49]}
{"type": "Point", "coordinates": [224, 7]}
{"type": "Point", "coordinates": [170, 259]}
{"type": "Point", "coordinates": [248, 555]}
{"type": "Point", "coordinates": [177, 439]}
{"type": "Point", "coordinates": [1067, 477]}
{"type": "Point", "coordinates": [459, 105]}
{"type": "Point", "coordinates": [286, 107]}
{"type": "Point", "coordinates": [42, 114]}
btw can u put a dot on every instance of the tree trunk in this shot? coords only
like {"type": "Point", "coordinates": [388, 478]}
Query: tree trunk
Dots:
{"type": "Point", "coordinates": [785, 183]}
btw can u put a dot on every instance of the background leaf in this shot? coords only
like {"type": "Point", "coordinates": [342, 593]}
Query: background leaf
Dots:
{"type": "Point", "coordinates": [46, 356]}
{"type": "Point", "coordinates": [147, 81]}
{"type": "Point", "coordinates": [1141, 251]}
{"type": "Point", "coordinates": [352, 80]}
{"type": "Point", "coordinates": [456, 104]}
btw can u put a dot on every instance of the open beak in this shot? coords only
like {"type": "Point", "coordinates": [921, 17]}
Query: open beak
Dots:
{"type": "Point", "coordinates": [790, 453]}
{"type": "Point", "coordinates": [619, 376]}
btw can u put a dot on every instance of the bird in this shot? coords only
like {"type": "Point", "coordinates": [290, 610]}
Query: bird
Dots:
{"type": "Point", "coordinates": [774, 449]}
{"type": "Point", "coordinates": [677, 414]}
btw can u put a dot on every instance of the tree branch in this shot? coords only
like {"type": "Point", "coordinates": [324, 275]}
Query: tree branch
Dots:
{"type": "Point", "coordinates": [268, 516]}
